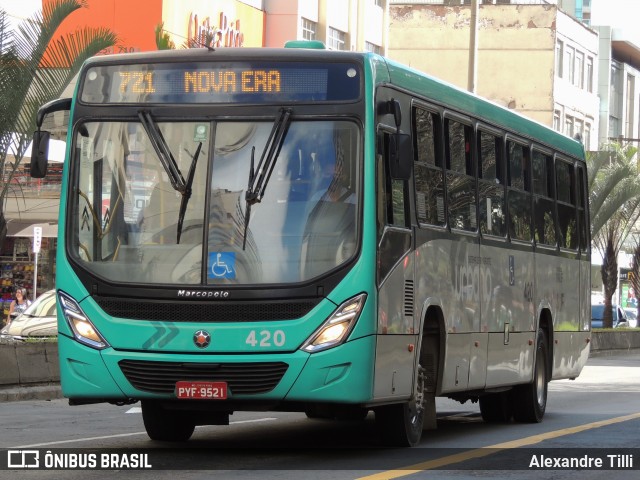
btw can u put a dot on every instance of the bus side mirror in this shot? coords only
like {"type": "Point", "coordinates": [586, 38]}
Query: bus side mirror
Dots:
{"type": "Point", "coordinates": [400, 156]}
{"type": "Point", "coordinates": [40, 154]}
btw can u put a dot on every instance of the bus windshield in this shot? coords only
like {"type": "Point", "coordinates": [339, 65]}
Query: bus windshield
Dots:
{"type": "Point", "coordinates": [131, 223]}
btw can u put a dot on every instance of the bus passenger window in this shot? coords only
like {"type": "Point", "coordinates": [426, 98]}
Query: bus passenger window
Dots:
{"type": "Point", "coordinates": [518, 192]}
{"type": "Point", "coordinates": [461, 183]}
{"type": "Point", "coordinates": [491, 184]}
{"type": "Point", "coordinates": [583, 220]}
{"type": "Point", "coordinates": [544, 208]}
{"type": "Point", "coordinates": [567, 220]}
{"type": "Point", "coordinates": [428, 174]}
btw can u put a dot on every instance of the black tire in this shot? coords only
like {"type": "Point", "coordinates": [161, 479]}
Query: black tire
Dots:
{"type": "Point", "coordinates": [496, 407]}
{"type": "Point", "coordinates": [400, 425]}
{"type": "Point", "coordinates": [164, 425]}
{"type": "Point", "coordinates": [530, 401]}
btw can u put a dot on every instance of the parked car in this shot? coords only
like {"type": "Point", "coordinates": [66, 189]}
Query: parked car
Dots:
{"type": "Point", "coordinates": [632, 316]}
{"type": "Point", "coordinates": [597, 313]}
{"type": "Point", "coordinates": [37, 321]}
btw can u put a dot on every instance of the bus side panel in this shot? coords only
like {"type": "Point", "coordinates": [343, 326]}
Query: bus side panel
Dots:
{"type": "Point", "coordinates": [510, 357]}
{"type": "Point", "coordinates": [396, 331]}
{"type": "Point", "coordinates": [565, 295]}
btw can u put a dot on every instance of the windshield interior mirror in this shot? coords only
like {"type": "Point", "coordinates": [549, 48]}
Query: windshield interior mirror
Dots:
{"type": "Point", "coordinates": [40, 154]}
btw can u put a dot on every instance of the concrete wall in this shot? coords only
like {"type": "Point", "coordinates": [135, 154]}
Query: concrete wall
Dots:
{"type": "Point", "coordinates": [28, 363]}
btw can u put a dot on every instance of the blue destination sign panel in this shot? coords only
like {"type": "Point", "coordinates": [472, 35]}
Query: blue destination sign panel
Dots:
{"type": "Point", "coordinates": [257, 82]}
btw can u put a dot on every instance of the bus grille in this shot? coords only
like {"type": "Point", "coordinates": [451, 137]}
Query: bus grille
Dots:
{"type": "Point", "coordinates": [205, 311]}
{"type": "Point", "coordinates": [241, 378]}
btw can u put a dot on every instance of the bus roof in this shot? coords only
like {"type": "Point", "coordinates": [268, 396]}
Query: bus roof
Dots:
{"type": "Point", "coordinates": [445, 94]}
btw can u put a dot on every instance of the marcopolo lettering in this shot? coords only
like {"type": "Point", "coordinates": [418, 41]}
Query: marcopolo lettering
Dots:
{"type": "Point", "coordinates": [203, 293]}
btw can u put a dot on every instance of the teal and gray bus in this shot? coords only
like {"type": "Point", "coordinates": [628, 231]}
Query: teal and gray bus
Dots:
{"type": "Point", "coordinates": [307, 230]}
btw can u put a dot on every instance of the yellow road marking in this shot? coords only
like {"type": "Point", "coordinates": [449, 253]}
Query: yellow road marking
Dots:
{"type": "Point", "coordinates": [491, 449]}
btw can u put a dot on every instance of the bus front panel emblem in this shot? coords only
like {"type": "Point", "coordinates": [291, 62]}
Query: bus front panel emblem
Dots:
{"type": "Point", "coordinates": [202, 339]}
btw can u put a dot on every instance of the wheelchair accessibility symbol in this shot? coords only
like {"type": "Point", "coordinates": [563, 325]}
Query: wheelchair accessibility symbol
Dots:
{"type": "Point", "coordinates": [222, 265]}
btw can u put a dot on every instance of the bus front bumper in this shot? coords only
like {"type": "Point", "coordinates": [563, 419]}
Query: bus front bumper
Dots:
{"type": "Point", "coordinates": [343, 374]}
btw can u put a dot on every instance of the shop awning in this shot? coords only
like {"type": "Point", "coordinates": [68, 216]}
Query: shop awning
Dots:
{"type": "Point", "coordinates": [25, 229]}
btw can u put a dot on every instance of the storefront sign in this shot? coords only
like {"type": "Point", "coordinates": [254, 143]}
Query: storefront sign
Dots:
{"type": "Point", "coordinates": [37, 239]}
{"type": "Point", "coordinates": [225, 34]}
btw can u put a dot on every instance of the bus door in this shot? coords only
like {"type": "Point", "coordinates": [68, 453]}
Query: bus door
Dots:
{"type": "Point", "coordinates": [397, 322]}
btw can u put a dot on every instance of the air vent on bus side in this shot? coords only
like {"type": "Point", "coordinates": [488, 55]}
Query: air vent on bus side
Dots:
{"type": "Point", "coordinates": [408, 298]}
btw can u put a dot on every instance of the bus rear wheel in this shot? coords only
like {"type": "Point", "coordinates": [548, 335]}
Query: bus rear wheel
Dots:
{"type": "Point", "coordinates": [165, 425]}
{"type": "Point", "coordinates": [401, 424]}
{"type": "Point", "coordinates": [530, 401]}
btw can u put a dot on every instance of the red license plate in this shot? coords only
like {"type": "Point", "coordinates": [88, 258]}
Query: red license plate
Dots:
{"type": "Point", "coordinates": [202, 390]}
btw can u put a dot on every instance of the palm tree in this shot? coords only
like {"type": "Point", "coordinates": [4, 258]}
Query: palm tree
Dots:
{"type": "Point", "coordinates": [163, 39]}
{"type": "Point", "coordinates": [614, 186]}
{"type": "Point", "coordinates": [35, 67]}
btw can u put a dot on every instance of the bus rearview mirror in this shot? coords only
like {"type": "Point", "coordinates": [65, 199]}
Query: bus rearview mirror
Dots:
{"type": "Point", "coordinates": [40, 154]}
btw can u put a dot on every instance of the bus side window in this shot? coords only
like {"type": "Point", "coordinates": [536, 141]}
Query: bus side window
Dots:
{"type": "Point", "coordinates": [544, 206]}
{"type": "Point", "coordinates": [393, 200]}
{"type": "Point", "coordinates": [428, 173]}
{"type": "Point", "coordinates": [491, 184]}
{"type": "Point", "coordinates": [518, 192]}
{"type": "Point", "coordinates": [461, 183]}
{"type": "Point", "coordinates": [565, 191]}
{"type": "Point", "coordinates": [581, 198]}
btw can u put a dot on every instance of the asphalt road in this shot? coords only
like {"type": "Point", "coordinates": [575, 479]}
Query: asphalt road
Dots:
{"type": "Point", "coordinates": [594, 418]}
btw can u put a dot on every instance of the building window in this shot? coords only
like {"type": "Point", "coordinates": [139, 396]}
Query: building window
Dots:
{"type": "Point", "coordinates": [379, 3]}
{"type": "Point", "coordinates": [590, 74]}
{"type": "Point", "coordinates": [615, 107]}
{"type": "Point", "coordinates": [556, 121]}
{"type": "Point", "coordinates": [629, 106]}
{"type": "Point", "coordinates": [568, 125]}
{"type": "Point", "coordinates": [577, 128]}
{"type": "Point", "coordinates": [559, 58]}
{"type": "Point", "coordinates": [373, 48]}
{"type": "Point", "coordinates": [308, 29]}
{"type": "Point", "coordinates": [337, 39]}
{"type": "Point", "coordinates": [586, 141]}
{"type": "Point", "coordinates": [579, 75]}
{"type": "Point", "coordinates": [569, 64]}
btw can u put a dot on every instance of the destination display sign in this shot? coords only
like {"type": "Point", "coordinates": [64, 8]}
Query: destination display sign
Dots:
{"type": "Point", "coordinates": [258, 82]}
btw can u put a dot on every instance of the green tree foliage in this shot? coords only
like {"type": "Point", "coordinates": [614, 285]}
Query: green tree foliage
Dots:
{"type": "Point", "coordinates": [614, 186]}
{"type": "Point", "coordinates": [36, 65]}
{"type": "Point", "coordinates": [163, 40]}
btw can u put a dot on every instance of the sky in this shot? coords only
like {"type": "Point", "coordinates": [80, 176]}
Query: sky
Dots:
{"type": "Point", "coordinates": [616, 13]}
{"type": "Point", "coordinates": [20, 8]}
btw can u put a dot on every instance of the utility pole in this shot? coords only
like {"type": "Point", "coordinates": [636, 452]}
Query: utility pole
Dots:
{"type": "Point", "coordinates": [473, 47]}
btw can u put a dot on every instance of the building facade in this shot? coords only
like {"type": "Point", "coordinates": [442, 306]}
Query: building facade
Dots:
{"type": "Point", "coordinates": [531, 56]}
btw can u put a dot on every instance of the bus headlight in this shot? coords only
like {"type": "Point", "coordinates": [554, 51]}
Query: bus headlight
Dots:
{"type": "Point", "coordinates": [84, 331]}
{"type": "Point", "coordinates": [337, 327]}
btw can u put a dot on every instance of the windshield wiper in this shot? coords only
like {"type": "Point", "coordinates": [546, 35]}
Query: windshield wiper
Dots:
{"type": "Point", "coordinates": [164, 154]}
{"type": "Point", "coordinates": [170, 166]}
{"type": "Point", "coordinates": [187, 193]}
{"type": "Point", "coordinates": [258, 180]}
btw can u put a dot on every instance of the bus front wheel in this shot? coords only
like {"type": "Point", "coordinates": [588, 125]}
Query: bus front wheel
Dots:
{"type": "Point", "coordinates": [530, 401]}
{"type": "Point", "coordinates": [166, 425]}
{"type": "Point", "coordinates": [401, 424]}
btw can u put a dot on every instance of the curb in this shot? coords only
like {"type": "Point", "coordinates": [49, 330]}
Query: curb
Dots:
{"type": "Point", "coordinates": [31, 392]}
